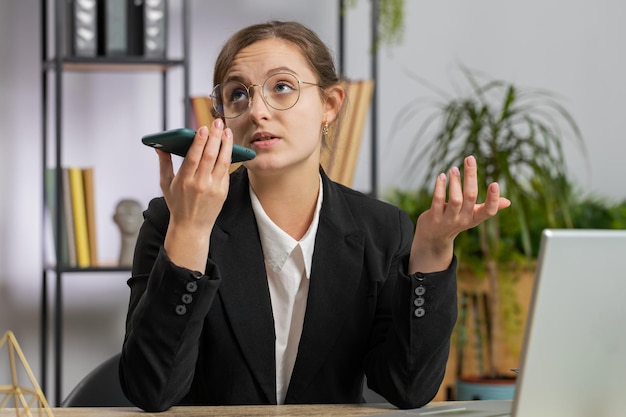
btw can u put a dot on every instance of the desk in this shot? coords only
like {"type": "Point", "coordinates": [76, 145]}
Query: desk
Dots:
{"type": "Point", "coordinates": [481, 408]}
{"type": "Point", "coordinates": [340, 410]}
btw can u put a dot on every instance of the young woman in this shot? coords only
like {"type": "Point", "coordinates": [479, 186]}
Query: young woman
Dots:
{"type": "Point", "coordinates": [275, 285]}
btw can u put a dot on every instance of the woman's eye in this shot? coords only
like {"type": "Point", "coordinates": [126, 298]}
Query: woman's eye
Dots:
{"type": "Point", "coordinates": [283, 88]}
{"type": "Point", "coordinates": [238, 95]}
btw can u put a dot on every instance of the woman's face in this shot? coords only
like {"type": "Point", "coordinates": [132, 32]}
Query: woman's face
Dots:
{"type": "Point", "coordinates": [283, 139]}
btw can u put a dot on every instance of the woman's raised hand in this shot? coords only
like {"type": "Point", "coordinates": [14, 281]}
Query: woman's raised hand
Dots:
{"type": "Point", "coordinates": [195, 194]}
{"type": "Point", "coordinates": [437, 227]}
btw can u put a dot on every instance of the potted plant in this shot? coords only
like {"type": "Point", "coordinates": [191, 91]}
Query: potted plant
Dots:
{"type": "Point", "coordinates": [390, 20]}
{"type": "Point", "coordinates": [517, 136]}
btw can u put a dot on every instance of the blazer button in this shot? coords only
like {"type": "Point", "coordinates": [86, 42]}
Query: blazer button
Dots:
{"type": "Point", "coordinates": [419, 291]}
{"type": "Point", "coordinates": [419, 312]}
{"type": "Point", "coordinates": [186, 298]}
{"type": "Point", "coordinates": [419, 301]}
{"type": "Point", "coordinates": [419, 276]}
{"type": "Point", "coordinates": [181, 310]}
{"type": "Point", "coordinates": [192, 286]}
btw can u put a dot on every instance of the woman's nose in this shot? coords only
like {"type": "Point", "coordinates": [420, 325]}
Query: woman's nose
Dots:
{"type": "Point", "coordinates": [256, 103]}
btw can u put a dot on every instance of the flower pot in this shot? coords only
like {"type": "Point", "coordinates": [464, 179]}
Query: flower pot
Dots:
{"type": "Point", "coordinates": [485, 388]}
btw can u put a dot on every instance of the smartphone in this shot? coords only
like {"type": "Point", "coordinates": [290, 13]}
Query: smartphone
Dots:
{"type": "Point", "coordinates": [178, 141]}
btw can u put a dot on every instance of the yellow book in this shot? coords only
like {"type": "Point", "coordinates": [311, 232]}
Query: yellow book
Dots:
{"type": "Point", "coordinates": [90, 211]}
{"type": "Point", "coordinates": [201, 106]}
{"type": "Point", "coordinates": [339, 158]}
{"type": "Point", "coordinates": [81, 235]}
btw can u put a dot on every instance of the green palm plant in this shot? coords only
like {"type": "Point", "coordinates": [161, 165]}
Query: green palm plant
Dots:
{"type": "Point", "coordinates": [517, 136]}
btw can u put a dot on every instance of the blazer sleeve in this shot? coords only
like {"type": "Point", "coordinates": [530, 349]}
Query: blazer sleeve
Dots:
{"type": "Point", "coordinates": [165, 318]}
{"type": "Point", "coordinates": [410, 341]}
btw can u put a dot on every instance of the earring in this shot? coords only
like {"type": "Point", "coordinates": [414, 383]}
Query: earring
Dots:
{"type": "Point", "coordinates": [325, 129]}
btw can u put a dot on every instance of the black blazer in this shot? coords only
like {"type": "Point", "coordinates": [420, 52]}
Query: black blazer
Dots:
{"type": "Point", "coordinates": [194, 338]}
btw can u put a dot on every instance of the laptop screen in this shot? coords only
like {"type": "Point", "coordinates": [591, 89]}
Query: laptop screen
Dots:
{"type": "Point", "coordinates": [574, 354]}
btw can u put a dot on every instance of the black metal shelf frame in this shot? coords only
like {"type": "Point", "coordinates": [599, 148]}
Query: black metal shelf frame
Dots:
{"type": "Point", "coordinates": [374, 17]}
{"type": "Point", "coordinates": [57, 64]}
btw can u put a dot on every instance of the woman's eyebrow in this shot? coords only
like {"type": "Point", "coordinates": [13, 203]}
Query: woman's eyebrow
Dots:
{"type": "Point", "coordinates": [272, 71]}
{"type": "Point", "coordinates": [280, 69]}
{"type": "Point", "coordinates": [234, 77]}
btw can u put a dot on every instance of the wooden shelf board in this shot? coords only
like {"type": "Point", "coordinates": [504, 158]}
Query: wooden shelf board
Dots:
{"type": "Point", "coordinates": [113, 64]}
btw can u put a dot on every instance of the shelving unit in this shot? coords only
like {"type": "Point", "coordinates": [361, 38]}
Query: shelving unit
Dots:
{"type": "Point", "coordinates": [56, 64]}
{"type": "Point", "coordinates": [374, 17]}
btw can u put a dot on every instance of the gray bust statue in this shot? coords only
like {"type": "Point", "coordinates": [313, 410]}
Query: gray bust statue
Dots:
{"type": "Point", "coordinates": [128, 217]}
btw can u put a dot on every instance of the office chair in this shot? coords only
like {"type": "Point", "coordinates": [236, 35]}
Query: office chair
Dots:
{"type": "Point", "coordinates": [370, 396]}
{"type": "Point", "coordinates": [100, 388]}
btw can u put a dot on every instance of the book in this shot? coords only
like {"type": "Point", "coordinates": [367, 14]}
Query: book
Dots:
{"type": "Point", "coordinates": [68, 216]}
{"type": "Point", "coordinates": [90, 212]}
{"type": "Point", "coordinates": [201, 110]}
{"type": "Point", "coordinates": [83, 27]}
{"type": "Point", "coordinates": [56, 254]}
{"type": "Point", "coordinates": [135, 27]}
{"type": "Point", "coordinates": [112, 27]}
{"type": "Point", "coordinates": [155, 28]}
{"type": "Point", "coordinates": [81, 236]}
{"type": "Point", "coordinates": [340, 157]}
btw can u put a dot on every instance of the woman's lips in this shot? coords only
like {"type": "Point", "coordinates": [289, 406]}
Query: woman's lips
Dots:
{"type": "Point", "coordinates": [264, 142]}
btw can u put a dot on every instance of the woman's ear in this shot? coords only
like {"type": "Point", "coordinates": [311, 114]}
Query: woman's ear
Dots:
{"type": "Point", "coordinates": [333, 101]}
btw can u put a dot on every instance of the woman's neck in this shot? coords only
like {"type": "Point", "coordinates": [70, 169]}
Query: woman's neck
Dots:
{"type": "Point", "coordinates": [289, 200]}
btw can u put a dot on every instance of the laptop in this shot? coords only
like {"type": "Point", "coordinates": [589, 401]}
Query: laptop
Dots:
{"type": "Point", "coordinates": [573, 360]}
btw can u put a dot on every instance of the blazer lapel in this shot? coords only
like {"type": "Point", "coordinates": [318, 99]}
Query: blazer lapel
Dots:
{"type": "Point", "coordinates": [335, 275]}
{"type": "Point", "coordinates": [244, 290]}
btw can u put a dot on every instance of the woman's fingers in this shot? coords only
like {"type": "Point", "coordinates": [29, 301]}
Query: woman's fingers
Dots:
{"type": "Point", "coordinates": [461, 210]}
{"type": "Point", "coordinates": [211, 148]}
{"type": "Point", "coordinates": [222, 165]}
{"type": "Point", "coordinates": [213, 144]}
{"type": "Point", "coordinates": [195, 152]}
{"type": "Point", "coordinates": [462, 192]}
{"type": "Point", "coordinates": [470, 186]}
{"type": "Point", "coordinates": [216, 155]}
{"type": "Point", "coordinates": [493, 203]}
{"type": "Point", "coordinates": [455, 193]}
{"type": "Point", "coordinates": [202, 179]}
{"type": "Point", "coordinates": [166, 170]}
{"type": "Point", "coordinates": [438, 204]}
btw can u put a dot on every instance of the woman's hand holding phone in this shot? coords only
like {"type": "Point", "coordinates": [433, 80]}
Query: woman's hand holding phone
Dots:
{"type": "Point", "coordinates": [195, 194]}
{"type": "Point", "coordinates": [178, 141]}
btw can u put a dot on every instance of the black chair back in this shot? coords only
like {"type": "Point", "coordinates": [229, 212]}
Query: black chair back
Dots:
{"type": "Point", "coordinates": [100, 388]}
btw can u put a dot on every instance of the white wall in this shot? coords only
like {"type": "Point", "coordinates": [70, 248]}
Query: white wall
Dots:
{"type": "Point", "coordinates": [572, 47]}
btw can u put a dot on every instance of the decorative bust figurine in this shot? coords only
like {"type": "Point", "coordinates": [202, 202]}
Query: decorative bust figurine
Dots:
{"type": "Point", "coordinates": [128, 217]}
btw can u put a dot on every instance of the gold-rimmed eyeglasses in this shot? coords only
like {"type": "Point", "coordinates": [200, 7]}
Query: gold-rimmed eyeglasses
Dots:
{"type": "Point", "coordinates": [280, 91]}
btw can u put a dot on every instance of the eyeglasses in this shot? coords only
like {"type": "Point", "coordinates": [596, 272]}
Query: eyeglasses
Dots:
{"type": "Point", "coordinates": [280, 91]}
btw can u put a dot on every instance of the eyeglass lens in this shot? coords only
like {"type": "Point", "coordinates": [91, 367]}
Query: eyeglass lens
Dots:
{"type": "Point", "coordinates": [280, 91]}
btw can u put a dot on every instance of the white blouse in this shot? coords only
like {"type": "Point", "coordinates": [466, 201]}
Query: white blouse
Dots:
{"type": "Point", "coordinates": [288, 266]}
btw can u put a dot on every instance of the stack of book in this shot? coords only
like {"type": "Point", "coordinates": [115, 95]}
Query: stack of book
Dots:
{"type": "Point", "coordinates": [201, 114]}
{"type": "Point", "coordinates": [77, 229]}
{"type": "Point", "coordinates": [117, 28]}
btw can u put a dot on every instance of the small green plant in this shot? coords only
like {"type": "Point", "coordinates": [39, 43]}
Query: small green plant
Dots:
{"type": "Point", "coordinates": [390, 29]}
